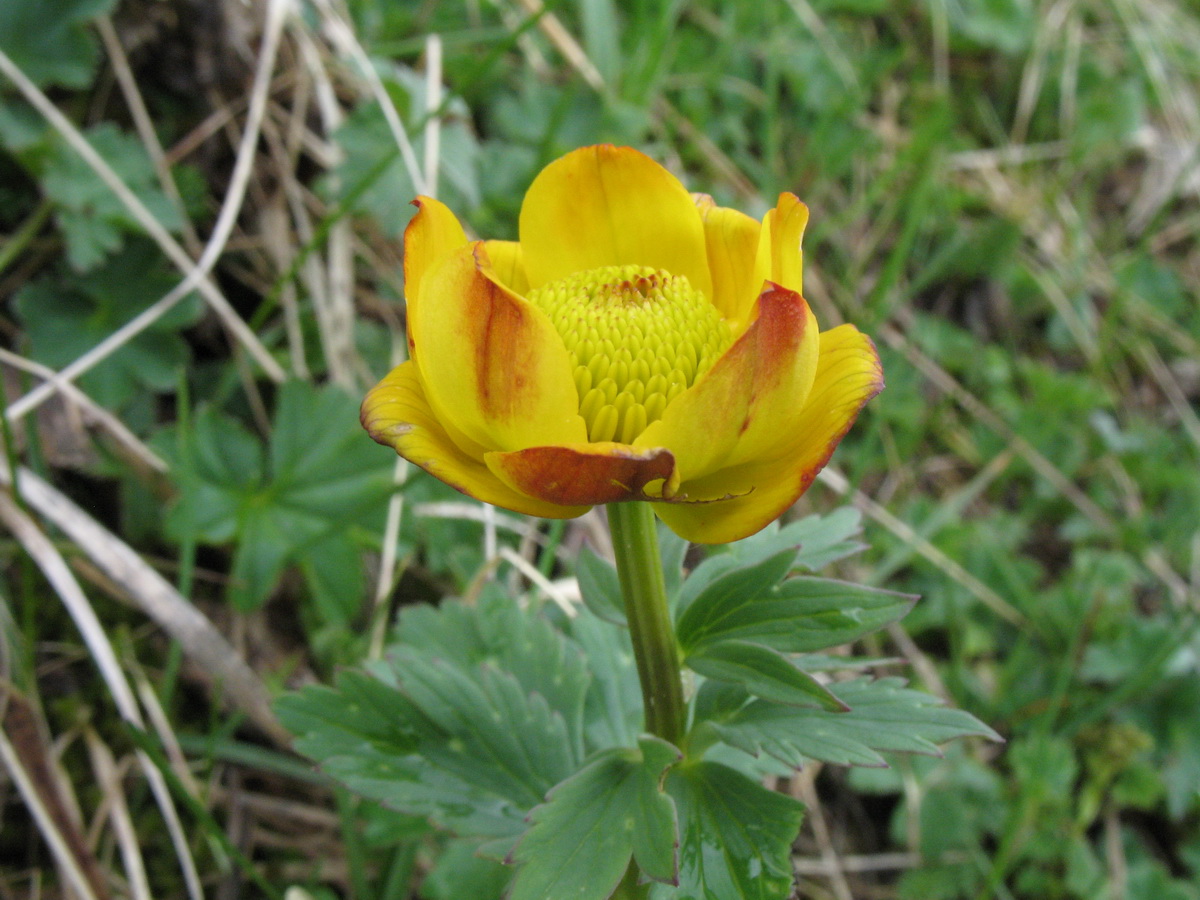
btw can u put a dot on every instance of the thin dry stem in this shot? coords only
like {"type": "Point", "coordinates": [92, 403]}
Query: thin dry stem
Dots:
{"type": "Point", "coordinates": [47, 557]}
{"type": "Point", "coordinates": [145, 128]}
{"type": "Point", "coordinates": [543, 583]}
{"type": "Point", "coordinates": [159, 600]}
{"type": "Point", "coordinates": [131, 447]}
{"type": "Point", "coordinates": [197, 274]}
{"type": "Point", "coordinates": [48, 826]}
{"type": "Point", "coordinates": [805, 788]}
{"type": "Point", "coordinates": [344, 38]}
{"type": "Point", "coordinates": [109, 781]}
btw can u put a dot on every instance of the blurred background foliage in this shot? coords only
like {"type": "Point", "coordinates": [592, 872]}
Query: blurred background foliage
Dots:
{"type": "Point", "coordinates": [1003, 193]}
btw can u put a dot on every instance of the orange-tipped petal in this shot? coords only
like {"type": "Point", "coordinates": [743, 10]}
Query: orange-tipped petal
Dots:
{"type": "Point", "coordinates": [585, 474]}
{"type": "Point", "coordinates": [738, 269]}
{"type": "Point", "coordinates": [848, 375]}
{"type": "Point", "coordinates": [783, 230]}
{"type": "Point", "coordinates": [748, 402]}
{"type": "Point", "coordinates": [610, 206]}
{"type": "Point", "coordinates": [507, 265]}
{"type": "Point", "coordinates": [492, 365]}
{"type": "Point", "coordinates": [397, 414]}
{"type": "Point", "coordinates": [431, 236]}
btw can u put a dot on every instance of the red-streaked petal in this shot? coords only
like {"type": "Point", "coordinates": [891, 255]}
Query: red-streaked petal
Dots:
{"type": "Point", "coordinates": [431, 236]}
{"type": "Point", "coordinates": [586, 474]}
{"type": "Point", "coordinates": [610, 206]}
{"type": "Point", "coordinates": [492, 365]}
{"type": "Point", "coordinates": [748, 402]}
{"type": "Point", "coordinates": [848, 375]}
{"type": "Point", "coordinates": [397, 414]}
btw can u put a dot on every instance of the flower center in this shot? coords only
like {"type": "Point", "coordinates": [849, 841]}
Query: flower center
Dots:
{"type": "Point", "coordinates": [638, 336]}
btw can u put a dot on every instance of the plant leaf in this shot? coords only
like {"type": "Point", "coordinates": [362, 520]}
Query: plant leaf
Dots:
{"type": "Point", "coordinates": [66, 314]}
{"type": "Point", "coordinates": [735, 835]}
{"type": "Point", "coordinates": [600, 587]}
{"type": "Point", "coordinates": [366, 734]}
{"type": "Point", "coordinates": [592, 824]}
{"type": "Point", "coordinates": [884, 716]}
{"type": "Point", "coordinates": [614, 698]}
{"type": "Point", "coordinates": [316, 481]}
{"type": "Point", "coordinates": [461, 871]}
{"type": "Point", "coordinates": [488, 729]}
{"type": "Point", "coordinates": [497, 633]}
{"type": "Point", "coordinates": [763, 672]}
{"type": "Point", "coordinates": [50, 41]}
{"type": "Point", "coordinates": [826, 539]}
{"type": "Point", "coordinates": [93, 220]}
{"type": "Point", "coordinates": [702, 612]}
{"type": "Point", "coordinates": [798, 616]}
{"type": "Point", "coordinates": [473, 754]}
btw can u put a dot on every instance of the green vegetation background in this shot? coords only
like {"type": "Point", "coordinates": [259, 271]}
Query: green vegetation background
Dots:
{"type": "Point", "coordinates": [1003, 193]}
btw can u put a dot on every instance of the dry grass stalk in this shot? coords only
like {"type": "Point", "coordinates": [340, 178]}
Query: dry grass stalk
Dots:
{"type": "Point", "coordinates": [157, 599]}
{"type": "Point", "coordinates": [48, 796]}
{"type": "Point", "coordinates": [47, 557]}
{"type": "Point", "coordinates": [108, 779]}
{"type": "Point", "coordinates": [197, 273]}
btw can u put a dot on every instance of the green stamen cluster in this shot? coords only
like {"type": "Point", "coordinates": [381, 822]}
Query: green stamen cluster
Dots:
{"type": "Point", "coordinates": [639, 337]}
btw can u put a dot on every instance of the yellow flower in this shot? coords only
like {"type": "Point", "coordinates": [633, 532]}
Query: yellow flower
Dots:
{"type": "Point", "coordinates": [636, 343]}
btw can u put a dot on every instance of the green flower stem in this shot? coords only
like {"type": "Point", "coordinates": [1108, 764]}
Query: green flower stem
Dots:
{"type": "Point", "coordinates": [639, 567]}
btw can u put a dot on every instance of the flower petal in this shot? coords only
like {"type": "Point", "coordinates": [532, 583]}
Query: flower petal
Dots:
{"type": "Point", "coordinates": [431, 236]}
{"type": "Point", "coordinates": [748, 402]}
{"type": "Point", "coordinates": [848, 375]}
{"type": "Point", "coordinates": [397, 414]}
{"type": "Point", "coordinates": [783, 230]}
{"type": "Point", "coordinates": [492, 365]}
{"type": "Point", "coordinates": [738, 269]}
{"type": "Point", "coordinates": [610, 206]}
{"type": "Point", "coordinates": [508, 265]}
{"type": "Point", "coordinates": [585, 474]}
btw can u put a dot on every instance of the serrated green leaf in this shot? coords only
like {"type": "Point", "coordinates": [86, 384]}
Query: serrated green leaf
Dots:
{"type": "Point", "coordinates": [66, 314]}
{"type": "Point", "coordinates": [495, 733]}
{"type": "Point", "coordinates": [358, 711]}
{"type": "Point", "coordinates": [367, 735]}
{"type": "Point", "coordinates": [460, 872]}
{"type": "Point", "coordinates": [703, 613]}
{"type": "Point", "coordinates": [500, 634]}
{"type": "Point", "coordinates": [94, 222]}
{"type": "Point", "coordinates": [262, 553]}
{"type": "Point", "coordinates": [319, 463]}
{"type": "Point", "coordinates": [735, 835]}
{"type": "Point", "coordinates": [614, 697]}
{"type": "Point", "coordinates": [49, 42]}
{"type": "Point", "coordinates": [460, 743]}
{"type": "Point", "coordinates": [826, 539]}
{"type": "Point", "coordinates": [744, 554]}
{"type": "Point", "coordinates": [798, 616]}
{"type": "Point", "coordinates": [333, 569]}
{"type": "Point", "coordinates": [312, 483]}
{"type": "Point", "coordinates": [600, 587]}
{"type": "Point", "coordinates": [763, 672]}
{"type": "Point", "coordinates": [583, 837]}
{"type": "Point", "coordinates": [884, 716]}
